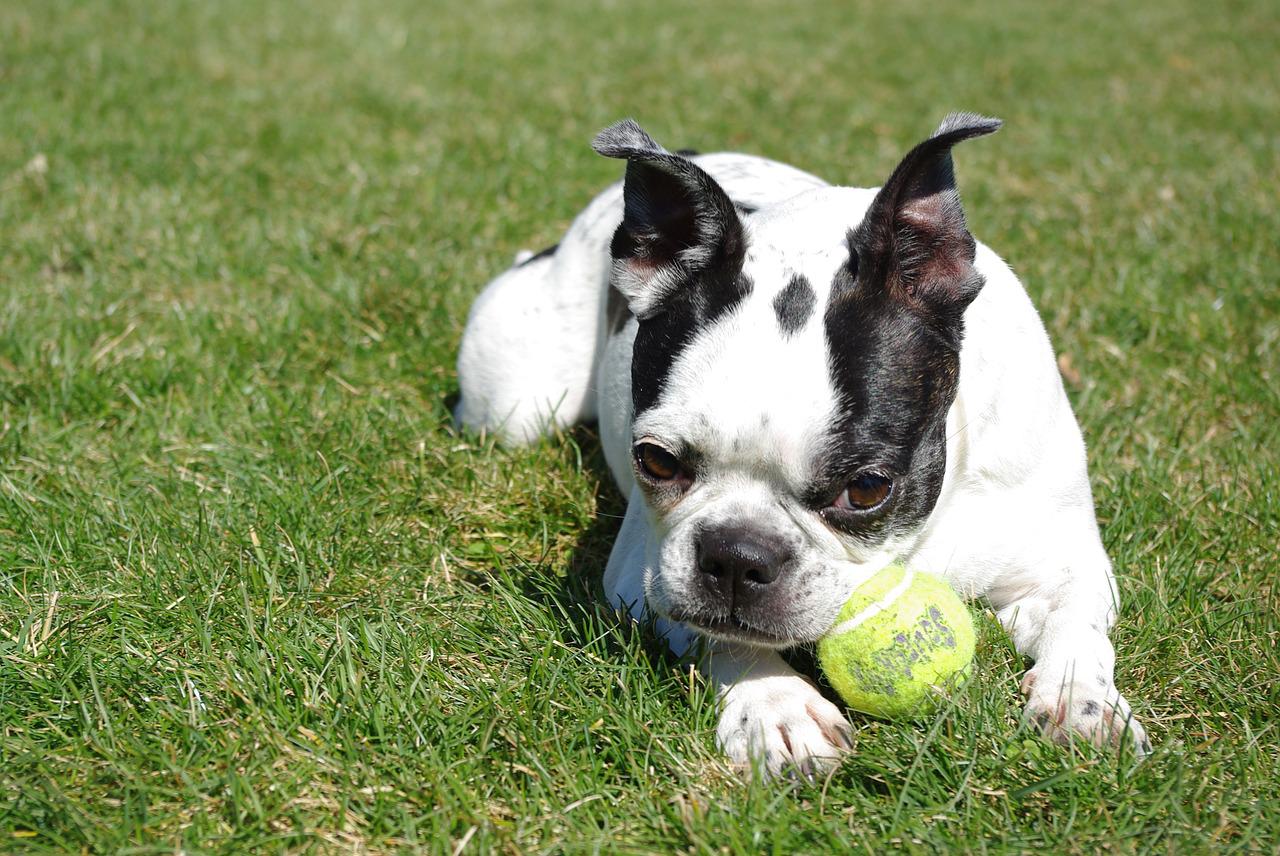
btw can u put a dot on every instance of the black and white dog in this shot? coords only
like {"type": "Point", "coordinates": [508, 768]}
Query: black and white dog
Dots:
{"type": "Point", "coordinates": [797, 384]}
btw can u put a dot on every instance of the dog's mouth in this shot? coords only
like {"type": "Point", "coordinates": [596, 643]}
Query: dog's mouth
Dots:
{"type": "Point", "coordinates": [730, 628]}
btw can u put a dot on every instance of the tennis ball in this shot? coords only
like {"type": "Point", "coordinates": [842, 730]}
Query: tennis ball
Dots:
{"type": "Point", "coordinates": [900, 637]}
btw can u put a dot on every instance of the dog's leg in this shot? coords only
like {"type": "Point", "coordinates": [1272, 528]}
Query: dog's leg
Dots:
{"type": "Point", "coordinates": [770, 717]}
{"type": "Point", "coordinates": [1060, 619]}
{"type": "Point", "coordinates": [525, 362]}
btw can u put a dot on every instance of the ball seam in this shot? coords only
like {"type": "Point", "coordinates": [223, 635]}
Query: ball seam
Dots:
{"type": "Point", "coordinates": [872, 610]}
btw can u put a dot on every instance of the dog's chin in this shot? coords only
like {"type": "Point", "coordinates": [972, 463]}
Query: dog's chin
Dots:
{"type": "Point", "coordinates": [731, 629]}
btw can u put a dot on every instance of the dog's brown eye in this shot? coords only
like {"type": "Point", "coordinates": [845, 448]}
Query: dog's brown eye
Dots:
{"type": "Point", "coordinates": [656, 462]}
{"type": "Point", "coordinates": [865, 492]}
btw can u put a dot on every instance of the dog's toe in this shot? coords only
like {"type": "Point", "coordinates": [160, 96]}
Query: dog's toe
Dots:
{"type": "Point", "coordinates": [1098, 714]}
{"type": "Point", "coordinates": [782, 726]}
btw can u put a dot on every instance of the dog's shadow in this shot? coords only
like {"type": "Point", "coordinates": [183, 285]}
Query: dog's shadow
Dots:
{"type": "Point", "coordinates": [577, 591]}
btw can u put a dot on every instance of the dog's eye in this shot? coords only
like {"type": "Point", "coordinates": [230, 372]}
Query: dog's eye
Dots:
{"type": "Point", "coordinates": [865, 492]}
{"type": "Point", "coordinates": [656, 462]}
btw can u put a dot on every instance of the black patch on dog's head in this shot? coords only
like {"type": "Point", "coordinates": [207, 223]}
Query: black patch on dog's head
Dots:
{"type": "Point", "coordinates": [794, 304]}
{"type": "Point", "coordinates": [677, 254]}
{"type": "Point", "coordinates": [894, 325]}
{"type": "Point", "coordinates": [661, 338]}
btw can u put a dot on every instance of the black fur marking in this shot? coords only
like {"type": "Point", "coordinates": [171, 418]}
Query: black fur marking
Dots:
{"type": "Point", "coordinates": [794, 304]}
{"type": "Point", "coordinates": [662, 338]}
{"type": "Point", "coordinates": [896, 380]}
{"type": "Point", "coordinates": [541, 254]}
{"type": "Point", "coordinates": [1089, 708]}
{"type": "Point", "coordinates": [894, 326]}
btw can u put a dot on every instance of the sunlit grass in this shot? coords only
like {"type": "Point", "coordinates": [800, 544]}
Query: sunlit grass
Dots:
{"type": "Point", "coordinates": [255, 595]}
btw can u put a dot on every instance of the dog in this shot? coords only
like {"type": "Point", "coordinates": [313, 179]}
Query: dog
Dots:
{"type": "Point", "coordinates": [797, 384]}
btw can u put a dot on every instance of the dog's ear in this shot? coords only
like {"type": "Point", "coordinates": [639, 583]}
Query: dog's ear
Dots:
{"type": "Point", "coordinates": [913, 240]}
{"type": "Point", "coordinates": [677, 222]}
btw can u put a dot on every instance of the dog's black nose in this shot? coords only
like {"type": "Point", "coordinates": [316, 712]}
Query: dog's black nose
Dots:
{"type": "Point", "coordinates": [736, 563]}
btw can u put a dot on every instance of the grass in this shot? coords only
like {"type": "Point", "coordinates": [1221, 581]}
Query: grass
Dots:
{"type": "Point", "coordinates": [256, 596]}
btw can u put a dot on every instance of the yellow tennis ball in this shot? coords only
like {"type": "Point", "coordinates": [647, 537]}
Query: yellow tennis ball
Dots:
{"type": "Point", "coordinates": [899, 639]}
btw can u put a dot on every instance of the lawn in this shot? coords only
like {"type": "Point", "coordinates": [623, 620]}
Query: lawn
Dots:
{"type": "Point", "coordinates": [256, 596]}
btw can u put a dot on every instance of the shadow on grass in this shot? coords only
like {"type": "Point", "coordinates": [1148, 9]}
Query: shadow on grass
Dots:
{"type": "Point", "coordinates": [578, 591]}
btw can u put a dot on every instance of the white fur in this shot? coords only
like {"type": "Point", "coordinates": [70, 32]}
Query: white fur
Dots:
{"type": "Point", "coordinates": [1014, 523]}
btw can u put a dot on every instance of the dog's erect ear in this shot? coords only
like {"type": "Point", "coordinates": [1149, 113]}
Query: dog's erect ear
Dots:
{"type": "Point", "coordinates": [913, 240]}
{"type": "Point", "coordinates": [677, 222]}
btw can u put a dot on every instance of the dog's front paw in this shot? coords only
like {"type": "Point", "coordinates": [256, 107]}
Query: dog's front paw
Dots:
{"type": "Point", "coordinates": [1061, 708]}
{"type": "Point", "coordinates": [780, 724]}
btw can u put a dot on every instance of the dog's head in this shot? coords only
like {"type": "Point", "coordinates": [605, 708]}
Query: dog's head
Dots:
{"type": "Point", "coordinates": [791, 375]}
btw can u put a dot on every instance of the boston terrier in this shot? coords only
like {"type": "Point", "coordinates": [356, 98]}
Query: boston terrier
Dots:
{"type": "Point", "coordinates": [797, 384]}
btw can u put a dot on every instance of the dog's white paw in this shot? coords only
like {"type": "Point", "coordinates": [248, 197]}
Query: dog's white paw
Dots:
{"type": "Point", "coordinates": [781, 724]}
{"type": "Point", "coordinates": [1092, 708]}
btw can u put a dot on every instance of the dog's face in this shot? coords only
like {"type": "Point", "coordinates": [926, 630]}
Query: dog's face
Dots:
{"type": "Point", "coordinates": [792, 372]}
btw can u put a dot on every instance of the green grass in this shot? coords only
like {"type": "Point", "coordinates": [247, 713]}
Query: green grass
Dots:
{"type": "Point", "coordinates": [255, 596]}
